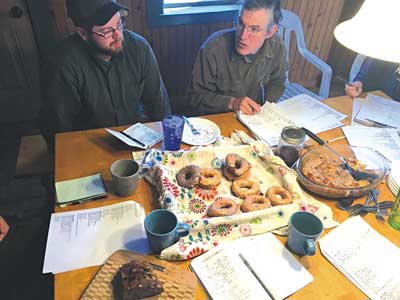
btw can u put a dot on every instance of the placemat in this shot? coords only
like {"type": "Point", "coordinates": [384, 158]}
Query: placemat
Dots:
{"type": "Point", "coordinates": [177, 282]}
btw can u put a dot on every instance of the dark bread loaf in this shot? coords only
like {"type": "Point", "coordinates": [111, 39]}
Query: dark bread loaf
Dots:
{"type": "Point", "coordinates": [135, 280]}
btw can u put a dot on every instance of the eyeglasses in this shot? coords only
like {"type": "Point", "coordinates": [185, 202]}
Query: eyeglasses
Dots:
{"type": "Point", "coordinates": [252, 30]}
{"type": "Point", "coordinates": [109, 32]}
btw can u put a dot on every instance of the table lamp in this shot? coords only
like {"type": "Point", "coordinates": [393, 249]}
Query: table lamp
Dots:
{"type": "Point", "coordinates": [373, 31]}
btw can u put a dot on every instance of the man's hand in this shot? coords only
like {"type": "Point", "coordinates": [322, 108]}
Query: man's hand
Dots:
{"type": "Point", "coordinates": [245, 105]}
{"type": "Point", "coordinates": [353, 89]}
{"type": "Point", "coordinates": [3, 228]}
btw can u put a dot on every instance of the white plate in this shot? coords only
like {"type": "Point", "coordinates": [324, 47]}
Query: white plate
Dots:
{"type": "Point", "coordinates": [209, 132]}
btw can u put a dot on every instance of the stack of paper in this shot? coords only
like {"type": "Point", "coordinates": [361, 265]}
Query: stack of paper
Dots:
{"type": "Point", "coordinates": [85, 238]}
{"type": "Point", "coordinates": [365, 257]}
{"type": "Point", "coordinates": [386, 141]}
{"type": "Point", "coordinates": [379, 111]}
{"type": "Point", "coordinates": [301, 110]}
{"type": "Point", "coordinates": [256, 268]}
{"type": "Point", "coordinates": [393, 180]}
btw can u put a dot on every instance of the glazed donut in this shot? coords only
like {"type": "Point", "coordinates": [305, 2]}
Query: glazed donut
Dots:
{"type": "Point", "coordinates": [255, 202]}
{"type": "Point", "coordinates": [188, 176]}
{"type": "Point", "coordinates": [242, 188]}
{"type": "Point", "coordinates": [236, 164]}
{"type": "Point", "coordinates": [209, 178]}
{"type": "Point", "coordinates": [232, 177]}
{"type": "Point", "coordinates": [279, 196]}
{"type": "Point", "coordinates": [222, 207]}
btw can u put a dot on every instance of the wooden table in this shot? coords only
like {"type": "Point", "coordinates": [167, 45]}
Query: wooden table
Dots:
{"type": "Point", "coordinates": [84, 153]}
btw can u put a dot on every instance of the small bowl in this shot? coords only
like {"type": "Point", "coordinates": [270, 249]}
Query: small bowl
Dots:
{"type": "Point", "coordinates": [373, 161]}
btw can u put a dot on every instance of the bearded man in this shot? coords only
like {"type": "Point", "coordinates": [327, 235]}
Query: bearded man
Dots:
{"type": "Point", "coordinates": [102, 75]}
{"type": "Point", "coordinates": [239, 69]}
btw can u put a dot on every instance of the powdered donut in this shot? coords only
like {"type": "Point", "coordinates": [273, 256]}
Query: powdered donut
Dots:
{"type": "Point", "coordinates": [188, 176]}
{"type": "Point", "coordinates": [243, 188]}
{"type": "Point", "coordinates": [222, 207]}
{"type": "Point", "coordinates": [236, 164]}
{"type": "Point", "coordinates": [255, 202]}
{"type": "Point", "coordinates": [279, 196]}
{"type": "Point", "coordinates": [209, 178]}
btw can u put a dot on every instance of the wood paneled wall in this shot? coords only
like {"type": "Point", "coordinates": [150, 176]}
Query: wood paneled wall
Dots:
{"type": "Point", "coordinates": [176, 47]}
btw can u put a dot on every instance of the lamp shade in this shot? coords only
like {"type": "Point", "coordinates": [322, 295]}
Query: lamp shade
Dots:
{"type": "Point", "coordinates": [374, 30]}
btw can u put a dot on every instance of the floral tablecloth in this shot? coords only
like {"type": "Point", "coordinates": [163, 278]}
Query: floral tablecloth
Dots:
{"type": "Point", "coordinates": [190, 205]}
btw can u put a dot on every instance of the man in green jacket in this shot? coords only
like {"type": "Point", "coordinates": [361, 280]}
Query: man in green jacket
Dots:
{"type": "Point", "coordinates": [103, 75]}
{"type": "Point", "coordinates": [238, 70]}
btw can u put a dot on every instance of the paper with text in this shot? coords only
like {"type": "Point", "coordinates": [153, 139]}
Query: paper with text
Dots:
{"type": "Point", "coordinates": [301, 110]}
{"type": "Point", "coordinates": [381, 110]}
{"type": "Point", "coordinates": [365, 257]}
{"type": "Point", "coordinates": [85, 238]}
{"type": "Point", "coordinates": [226, 276]}
{"type": "Point", "coordinates": [386, 141]}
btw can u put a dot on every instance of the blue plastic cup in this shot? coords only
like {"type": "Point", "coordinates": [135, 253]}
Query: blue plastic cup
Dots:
{"type": "Point", "coordinates": [173, 128]}
{"type": "Point", "coordinates": [163, 229]}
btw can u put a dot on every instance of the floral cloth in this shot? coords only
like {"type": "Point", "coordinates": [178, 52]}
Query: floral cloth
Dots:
{"type": "Point", "coordinates": [190, 205]}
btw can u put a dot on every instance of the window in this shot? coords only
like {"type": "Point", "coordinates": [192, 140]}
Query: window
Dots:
{"type": "Point", "coordinates": [178, 12]}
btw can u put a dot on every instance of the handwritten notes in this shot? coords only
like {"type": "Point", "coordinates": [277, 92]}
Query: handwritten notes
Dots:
{"type": "Point", "coordinates": [84, 238]}
{"type": "Point", "coordinates": [250, 268]}
{"type": "Point", "coordinates": [365, 257]}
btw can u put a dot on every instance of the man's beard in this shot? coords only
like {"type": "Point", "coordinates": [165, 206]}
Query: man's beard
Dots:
{"type": "Point", "coordinates": [105, 51]}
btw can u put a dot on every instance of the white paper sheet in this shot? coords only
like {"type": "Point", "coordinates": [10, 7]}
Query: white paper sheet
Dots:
{"type": "Point", "coordinates": [84, 238]}
{"type": "Point", "coordinates": [301, 110]}
{"type": "Point", "coordinates": [365, 257]}
{"type": "Point", "coordinates": [380, 110]}
{"type": "Point", "coordinates": [386, 141]}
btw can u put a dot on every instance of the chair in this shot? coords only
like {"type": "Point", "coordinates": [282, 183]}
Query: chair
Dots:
{"type": "Point", "coordinates": [291, 23]}
{"type": "Point", "coordinates": [356, 66]}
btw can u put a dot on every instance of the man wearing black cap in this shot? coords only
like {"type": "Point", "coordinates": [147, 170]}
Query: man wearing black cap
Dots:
{"type": "Point", "coordinates": [101, 76]}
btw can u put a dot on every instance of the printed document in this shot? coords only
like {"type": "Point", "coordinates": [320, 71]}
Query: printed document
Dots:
{"type": "Point", "coordinates": [84, 238]}
{"type": "Point", "coordinates": [386, 141]}
{"type": "Point", "coordinates": [379, 111]}
{"type": "Point", "coordinates": [301, 110]}
{"type": "Point", "coordinates": [365, 257]}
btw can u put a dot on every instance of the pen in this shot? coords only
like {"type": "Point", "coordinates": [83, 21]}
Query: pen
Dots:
{"type": "Point", "coordinates": [133, 139]}
{"type": "Point", "coordinates": [262, 90]}
{"type": "Point", "coordinates": [336, 139]}
{"type": "Point", "coordinates": [379, 124]}
{"type": "Point", "coordinates": [255, 274]}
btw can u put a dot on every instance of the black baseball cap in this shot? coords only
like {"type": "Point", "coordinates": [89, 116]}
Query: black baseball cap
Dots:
{"type": "Point", "coordinates": [89, 13]}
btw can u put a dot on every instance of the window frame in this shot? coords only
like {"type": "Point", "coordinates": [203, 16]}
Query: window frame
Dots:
{"type": "Point", "coordinates": [196, 14]}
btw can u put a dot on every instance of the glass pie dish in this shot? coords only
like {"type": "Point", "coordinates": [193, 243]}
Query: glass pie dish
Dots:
{"type": "Point", "coordinates": [320, 171]}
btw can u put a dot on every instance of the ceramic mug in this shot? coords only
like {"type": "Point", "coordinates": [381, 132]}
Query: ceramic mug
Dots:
{"type": "Point", "coordinates": [125, 176]}
{"type": "Point", "coordinates": [163, 229]}
{"type": "Point", "coordinates": [304, 230]}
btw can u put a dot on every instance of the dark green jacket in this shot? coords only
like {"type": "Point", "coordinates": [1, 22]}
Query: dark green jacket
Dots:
{"type": "Point", "coordinates": [81, 91]}
{"type": "Point", "coordinates": [220, 74]}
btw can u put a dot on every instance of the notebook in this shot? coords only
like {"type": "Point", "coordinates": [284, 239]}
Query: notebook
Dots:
{"type": "Point", "coordinates": [256, 268]}
{"type": "Point", "coordinates": [80, 189]}
{"type": "Point", "coordinates": [138, 135]}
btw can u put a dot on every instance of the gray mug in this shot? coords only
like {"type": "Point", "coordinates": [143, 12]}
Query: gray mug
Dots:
{"type": "Point", "coordinates": [304, 230]}
{"type": "Point", "coordinates": [125, 176]}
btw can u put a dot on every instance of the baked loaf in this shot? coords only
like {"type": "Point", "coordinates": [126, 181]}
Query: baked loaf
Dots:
{"type": "Point", "coordinates": [135, 280]}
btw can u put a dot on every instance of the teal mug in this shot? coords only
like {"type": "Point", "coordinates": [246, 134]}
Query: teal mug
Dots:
{"type": "Point", "coordinates": [163, 229]}
{"type": "Point", "coordinates": [304, 230]}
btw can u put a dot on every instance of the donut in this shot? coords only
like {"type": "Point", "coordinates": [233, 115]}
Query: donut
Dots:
{"type": "Point", "coordinates": [222, 207]}
{"type": "Point", "coordinates": [209, 178]}
{"type": "Point", "coordinates": [236, 164]}
{"type": "Point", "coordinates": [279, 196]}
{"type": "Point", "coordinates": [255, 202]}
{"type": "Point", "coordinates": [188, 176]}
{"type": "Point", "coordinates": [232, 177]}
{"type": "Point", "coordinates": [243, 188]}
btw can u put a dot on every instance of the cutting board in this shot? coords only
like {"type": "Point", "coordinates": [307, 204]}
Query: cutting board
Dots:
{"type": "Point", "coordinates": [178, 283]}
